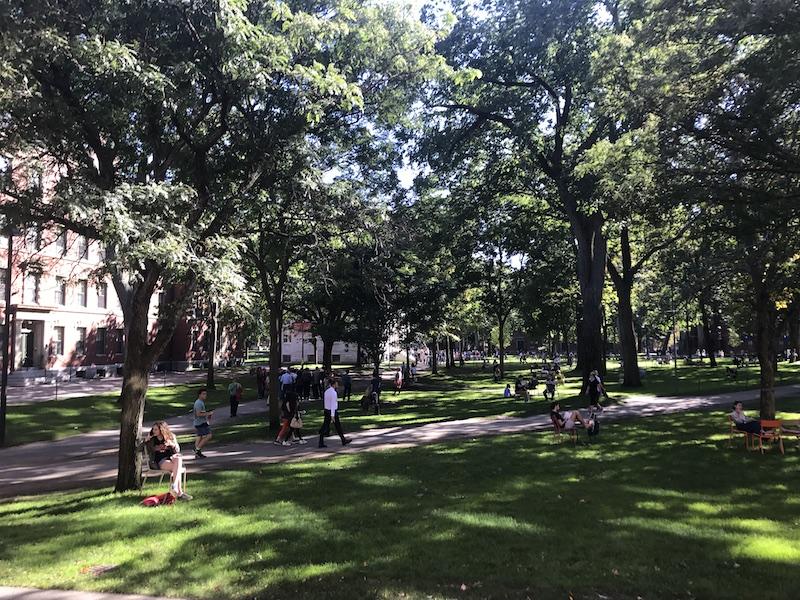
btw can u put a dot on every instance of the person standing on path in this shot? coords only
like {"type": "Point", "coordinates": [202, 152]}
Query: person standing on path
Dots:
{"type": "Point", "coordinates": [261, 380]}
{"type": "Point", "coordinates": [235, 396]}
{"type": "Point", "coordinates": [201, 425]}
{"type": "Point", "coordinates": [398, 381]}
{"type": "Point", "coordinates": [331, 413]}
{"type": "Point", "coordinates": [347, 383]}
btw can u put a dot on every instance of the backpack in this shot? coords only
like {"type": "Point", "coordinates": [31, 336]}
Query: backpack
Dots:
{"type": "Point", "coordinates": [159, 500]}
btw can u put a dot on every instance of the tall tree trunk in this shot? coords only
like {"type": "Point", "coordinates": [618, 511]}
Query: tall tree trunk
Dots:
{"type": "Point", "coordinates": [501, 321]}
{"type": "Point", "coordinates": [327, 353]}
{"type": "Point", "coordinates": [708, 333]}
{"type": "Point", "coordinates": [376, 359]}
{"type": "Point", "coordinates": [765, 347]}
{"type": "Point", "coordinates": [591, 270]}
{"type": "Point", "coordinates": [450, 359]}
{"type": "Point", "coordinates": [435, 356]}
{"type": "Point", "coordinates": [359, 361]}
{"type": "Point", "coordinates": [135, 379]}
{"type": "Point", "coordinates": [212, 347]}
{"type": "Point", "coordinates": [623, 284]}
{"type": "Point", "coordinates": [275, 350]}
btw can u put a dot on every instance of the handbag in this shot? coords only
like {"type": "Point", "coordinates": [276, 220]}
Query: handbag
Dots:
{"type": "Point", "coordinates": [296, 422]}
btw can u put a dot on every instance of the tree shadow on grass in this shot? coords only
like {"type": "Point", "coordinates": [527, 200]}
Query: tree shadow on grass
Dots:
{"type": "Point", "coordinates": [658, 508]}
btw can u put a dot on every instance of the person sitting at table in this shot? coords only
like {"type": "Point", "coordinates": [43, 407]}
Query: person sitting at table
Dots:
{"type": "Point", "coordinates": [742, 421]}
{"type": "Point", "coordinates": [520, 389]}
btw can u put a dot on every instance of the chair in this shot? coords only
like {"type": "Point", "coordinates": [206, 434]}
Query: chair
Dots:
{"type": "Point", "coordinates": [558, 431]}
{"type": "Point", "coordinates": [734, 431]}
{"type": "Point", "coordinates": [792, 430]}
{"type": "Point", "coordinates": [150, 468]}
{"type": "Point", "coordinates": [771, 432]}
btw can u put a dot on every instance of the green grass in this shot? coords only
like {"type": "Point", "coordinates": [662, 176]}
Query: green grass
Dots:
{"type": "Point", "coordinates": [468, 392]}
{"type": "Point", "coordinates": [455, 394]}
{"type": "Point", "coordinates": [56, 419]}
{"type": "Point", "coordinates": [657, 508]}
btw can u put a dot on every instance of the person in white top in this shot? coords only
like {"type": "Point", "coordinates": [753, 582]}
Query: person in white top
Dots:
{"type": "Point", "coordinates": [331, 400]}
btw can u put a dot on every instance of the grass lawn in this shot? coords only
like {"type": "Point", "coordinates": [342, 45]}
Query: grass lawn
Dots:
{"type": "Point", "coordinates": [56, 419]}
{"type": "Point", "coordinates": [463, 393]}
{"type": "Point", "coordinates": [456, 394]}
{"type": "Point", "coordinates": [662, 508]}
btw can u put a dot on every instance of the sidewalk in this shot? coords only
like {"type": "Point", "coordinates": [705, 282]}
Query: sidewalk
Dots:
{"type": "Point", "coordinates": [77, 388]}
{"type": "Point", "coordinates": [91, 459]}
{"type": "Point", "coordinates": [9, 593]}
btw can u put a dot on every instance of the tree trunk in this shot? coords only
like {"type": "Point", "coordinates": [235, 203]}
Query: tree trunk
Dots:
{"type": "Point", "coordinates": [359, 361]}
{"type": "Point", "coordinates": [135, 379]}
{"type": "Point", "coordinates": [708, 333]}
{"type": "Point", "coordinates": [376, 359]}
{"type": "Point", "coordinates": [327, 354]}
{"type": "Point", "coordinates": [623, 284]}
{"type": "Point", "coordinates": [591, 271]}
{"type": "Point", "coordinates": [435, 356]}
{"type": "Point", "coordinates": [212, 347]}
{"type": "Point", "coordinates": [450, 362]}
{"type": "Point", "coordinates": [501, 321]}
{"type": "Point", "coordinates": [764, 341]}
{"type": "Point", "coordinates": [275, 350]}
{"type": "Point", "coordinates": [627, 338]}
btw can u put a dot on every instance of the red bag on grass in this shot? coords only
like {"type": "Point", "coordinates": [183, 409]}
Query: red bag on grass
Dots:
{"type": "Point", "coordinates": [159, 500]}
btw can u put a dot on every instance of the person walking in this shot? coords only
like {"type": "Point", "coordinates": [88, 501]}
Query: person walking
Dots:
{"type": "Point", "coordinates": [235, 396]}
{"type": "Point", "coordinates": [398, 381]}
{"type": "Point", "coordinates": [261, 381]}
{"type": "Point", "coordinates": [331, 409]}
{"type": "Point", "coordinates": [201, 423]}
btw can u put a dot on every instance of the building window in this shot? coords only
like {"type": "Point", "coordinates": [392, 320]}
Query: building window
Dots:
{"type": "Point", "coordinates": [33, 238]}
{"type": "Point", "coordinates": [31, 288]}
{"type": "Point", "coordinates": [82, 289]}
{"type": "Point", "coordinates": [102, 294]}
{"type": "Point", "coordinates": [287, 358]}
{"type": "Point", "coordinates": [336, 358]}
{"type": "Point", "coordinates": [58, 337]}
{"type": "Point", "coordinates": [82, 246]}
{"type": "Point", "coordinates": [286, 338]}
{"type": "Point", "coordinates": [100, 341]}
{"type": "Point", "coordinates": [61, 291]}
{"type": "Point", "coordinates": [80, 345]}
{"type": "Point", "coordinates": [120, 338]}
{"type": "Point", "coordinates": [61, 242]}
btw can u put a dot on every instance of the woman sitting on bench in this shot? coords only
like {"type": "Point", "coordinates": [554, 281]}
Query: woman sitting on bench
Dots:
{"type": "Point", "coordinates": [565, 420]}
{"type": "Point", "coordinates": [742, 421]}
{"type": "Point", "coordinates": [163, 449]}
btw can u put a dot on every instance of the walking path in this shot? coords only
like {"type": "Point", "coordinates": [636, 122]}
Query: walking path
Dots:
{"type": "Point", "coordinates": [11, 593]}
{"type": "Point", "coordinates": [77, 388]}
{"type": "Point", "coordinates": [91, 459]}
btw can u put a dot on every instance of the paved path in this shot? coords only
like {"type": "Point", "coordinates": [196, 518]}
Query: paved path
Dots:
{"type": "Point", "coordinates": [77, 388]}
{"type": "Point", "coordinates": [10, 593]}
{"type": "Point", "coordinates": [91, 459]}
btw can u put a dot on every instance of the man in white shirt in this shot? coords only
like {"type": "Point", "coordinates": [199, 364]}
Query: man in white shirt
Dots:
{"type": "Point", "coordinates": [331, 413]}
{"type": "Point", "coordinates": [286, 379]}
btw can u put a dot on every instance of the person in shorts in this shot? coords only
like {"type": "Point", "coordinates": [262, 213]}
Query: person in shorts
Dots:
{"type": "Point", "coordinates": [201, 426]}
{"type": "Point", "coordinates": [565, 420]}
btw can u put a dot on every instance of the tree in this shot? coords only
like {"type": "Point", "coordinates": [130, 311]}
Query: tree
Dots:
{"type": "Point", "coordinates": [136, 111]}
{"type": "Point", "coordinates": [732, 138]}
{"type": "Point", "coordinates": [524, 73]}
